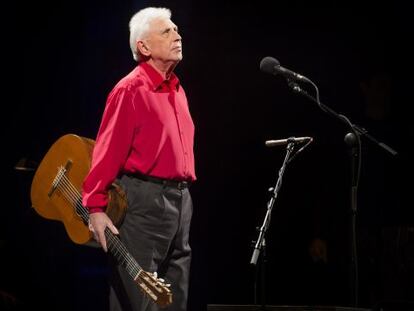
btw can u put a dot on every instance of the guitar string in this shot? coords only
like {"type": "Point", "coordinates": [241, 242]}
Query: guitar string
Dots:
{"type": "Point", "coordinates": [74, 196]}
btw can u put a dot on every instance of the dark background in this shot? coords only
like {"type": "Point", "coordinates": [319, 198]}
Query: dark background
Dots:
{"type": "Point", "coordinates": [61, 59]}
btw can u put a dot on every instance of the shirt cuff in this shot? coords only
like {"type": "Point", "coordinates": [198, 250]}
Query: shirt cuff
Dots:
{"type": "Point", "coordinates": [96, 210]}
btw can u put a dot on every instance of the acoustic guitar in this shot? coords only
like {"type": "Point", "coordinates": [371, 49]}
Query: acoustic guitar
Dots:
{"type": "Point", "coordinates": [56, 195]}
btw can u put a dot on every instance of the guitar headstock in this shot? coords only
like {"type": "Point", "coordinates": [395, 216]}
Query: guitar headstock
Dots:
{"type": "Point", "coordinates": [155, 288]}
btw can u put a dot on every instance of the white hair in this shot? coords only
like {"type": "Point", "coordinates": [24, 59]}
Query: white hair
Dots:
{"type": "Point", "coordinates": [139, 25]}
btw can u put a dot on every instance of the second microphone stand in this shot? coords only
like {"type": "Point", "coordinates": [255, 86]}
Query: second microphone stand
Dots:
{"type": "Point", "coordinates": [260, 244]}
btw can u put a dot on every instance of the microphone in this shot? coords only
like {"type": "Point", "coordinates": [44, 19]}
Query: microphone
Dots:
{"type": "Point", "coordinates": [282, 142]}
{"type": "Point", "coordinates": [272, 66]}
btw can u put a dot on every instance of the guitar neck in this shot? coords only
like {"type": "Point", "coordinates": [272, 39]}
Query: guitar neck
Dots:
{"type": "Point", "coordinates": [120, 252]}
{"type": "Point", "coordinates": [115, 246]}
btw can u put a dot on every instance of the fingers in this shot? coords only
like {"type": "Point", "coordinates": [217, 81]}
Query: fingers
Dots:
{"type": "Point", "coordinates": [97, 225]}
{"type": "Point", "coordinates": [101, 236]}
{"type": "Point", "coordinates": [92, 230]}
{"type": "Point", "coordinates": [114, 229]}
{"type": "Point", "coordinates": [102, 240]}
{"type": "Point", "coordinates": [98, 237]}
{"type": "Point", "coordinates": [98, 232]}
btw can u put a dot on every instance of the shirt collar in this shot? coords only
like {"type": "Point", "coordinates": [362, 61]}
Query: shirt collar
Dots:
{"type": "Point", "coordinates": [158, 82]}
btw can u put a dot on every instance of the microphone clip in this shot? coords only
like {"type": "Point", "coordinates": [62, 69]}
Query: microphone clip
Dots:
{"type": "Point", "coordinates": [294, 85]}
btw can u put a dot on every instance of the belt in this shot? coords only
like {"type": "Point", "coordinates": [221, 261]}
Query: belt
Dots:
{"type": "Point", "coordinates": [166, 182]}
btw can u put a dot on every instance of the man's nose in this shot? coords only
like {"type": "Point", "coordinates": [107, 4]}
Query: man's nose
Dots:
{"type": "Point", "coordinates": [177, 36]}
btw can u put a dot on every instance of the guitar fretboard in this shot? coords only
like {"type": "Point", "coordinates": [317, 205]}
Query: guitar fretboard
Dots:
{"type": "Point", "coordinates": [119, 251]}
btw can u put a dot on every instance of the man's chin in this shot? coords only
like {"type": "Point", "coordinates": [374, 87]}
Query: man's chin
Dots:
{"type": "Point", "coordinates": [176, 59]}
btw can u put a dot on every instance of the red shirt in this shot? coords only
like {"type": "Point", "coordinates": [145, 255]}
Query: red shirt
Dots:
{"type": "Point", "coordinates": [146, 127]}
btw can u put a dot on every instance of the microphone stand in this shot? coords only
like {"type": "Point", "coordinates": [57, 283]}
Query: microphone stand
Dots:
{"type": "Point", "coordinates": [353, 140]}
{"type": "Point", "coordinates": [260, 244]}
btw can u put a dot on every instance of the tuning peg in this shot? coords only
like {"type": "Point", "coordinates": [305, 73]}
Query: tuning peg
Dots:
{"type": "Point", "coordinates": [155, 274]}
{"type": "Point", "coordinates": [167, 285]}
{"type": "Point", "coordinates": [161, 280]}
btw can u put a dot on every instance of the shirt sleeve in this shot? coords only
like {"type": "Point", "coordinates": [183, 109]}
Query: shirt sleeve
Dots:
{"type": "Point", "coordinates": [111, 149]}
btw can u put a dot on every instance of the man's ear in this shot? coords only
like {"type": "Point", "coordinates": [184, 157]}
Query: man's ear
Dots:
{"type": "Point", "coordinates": [143, 48]}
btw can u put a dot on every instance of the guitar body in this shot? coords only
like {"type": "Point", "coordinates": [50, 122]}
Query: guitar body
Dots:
{"type": "Point", "coordinates": [72, 148]}
{"type": "Point", "coordinates": [75, 152]}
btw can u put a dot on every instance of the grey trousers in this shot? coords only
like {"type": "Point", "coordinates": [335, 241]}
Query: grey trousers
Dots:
{"type": "Point", "coordinates": [156, 233]}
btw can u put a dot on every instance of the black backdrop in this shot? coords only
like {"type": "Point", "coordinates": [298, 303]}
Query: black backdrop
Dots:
{"type": "Point", "coordinates": [61, 59]}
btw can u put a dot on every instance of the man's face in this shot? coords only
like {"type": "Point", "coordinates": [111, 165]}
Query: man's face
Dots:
{"type": "Point", "coordinates": [164, 41]}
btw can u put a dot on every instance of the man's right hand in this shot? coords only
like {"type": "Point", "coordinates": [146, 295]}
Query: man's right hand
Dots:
{"type": "Point", "coordinates": [97, 224]}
